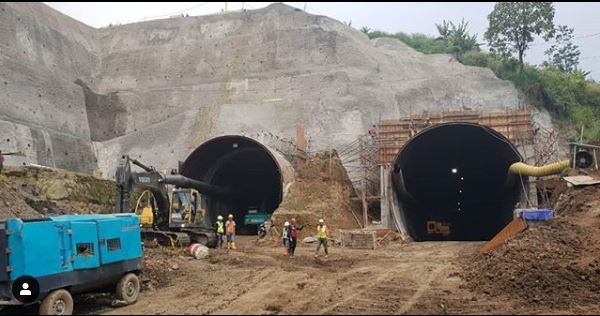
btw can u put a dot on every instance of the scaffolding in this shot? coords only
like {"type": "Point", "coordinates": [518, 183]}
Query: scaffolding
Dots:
{"type": "Point", "coordinates": [369, 158]}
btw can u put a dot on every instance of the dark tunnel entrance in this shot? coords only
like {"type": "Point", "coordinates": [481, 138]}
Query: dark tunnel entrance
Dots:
{"type": "Point", "coordinates": [452, 182]}
{"type": "Point", "coordinates": [248, 169]}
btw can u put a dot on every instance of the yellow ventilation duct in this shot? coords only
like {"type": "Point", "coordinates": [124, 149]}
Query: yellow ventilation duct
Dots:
{"type": "Point", "coordinates": [533, 171]}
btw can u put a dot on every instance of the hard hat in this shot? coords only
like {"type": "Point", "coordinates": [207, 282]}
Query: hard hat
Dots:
{"type": "Point", "coordinates": [321, 221]}
{"type": "Point", "coordinates": [230, 216]}
{"type": "Point", "coordinates": [286, 224]}
{"type": "Point", "coordinates": [220, 217]}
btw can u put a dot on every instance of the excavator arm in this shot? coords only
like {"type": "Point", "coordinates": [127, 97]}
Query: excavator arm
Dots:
{"type": "Point", "coordinates": [149, 179]}
{"type": "Point", "coordinates": [152, 180]}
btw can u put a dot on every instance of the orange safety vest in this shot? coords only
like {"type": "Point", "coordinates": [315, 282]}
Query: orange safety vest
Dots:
{"type": "Point", "coordinates": [230, 227]}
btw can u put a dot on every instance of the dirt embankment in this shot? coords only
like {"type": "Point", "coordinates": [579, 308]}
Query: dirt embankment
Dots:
{"type": "Point", "coordinates": [28, 192]}
{"type": "Point", "coordinates": [553, 266]}
{"type": "Point", "coordinates": [322, 190]}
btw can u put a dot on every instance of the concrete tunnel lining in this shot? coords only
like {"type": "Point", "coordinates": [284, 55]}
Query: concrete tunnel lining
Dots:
{"type": "Point", "coordinates": [457, 173]}
{"type": "Point", "coordinates": [256, 174]}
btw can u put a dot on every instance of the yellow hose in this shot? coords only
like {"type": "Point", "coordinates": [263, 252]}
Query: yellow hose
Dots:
{"type": "Point", "coordinates": [533, 171]}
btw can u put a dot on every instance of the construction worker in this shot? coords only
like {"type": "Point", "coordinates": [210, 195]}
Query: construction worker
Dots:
{"type": "Point", "coordinates": [293, 234]}
{"type": "Point", "coordinates": [220, 231]}
{"type": "Point", "coordinates": [285, 237]}
{"type": "Point", "coordinates": [322, 233]}
{"type": "Point", "coordinates": [230, 230]}
{"type": "Point", "coordinates": [373, 131]}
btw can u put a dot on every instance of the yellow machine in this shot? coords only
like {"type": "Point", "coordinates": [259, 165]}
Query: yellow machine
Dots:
{"type": "Point", "coordinates": [184, 207]}
{"type": "Point", "coordinates": [168, 216]}
{"type": "Point", "coordinates": [434, 227]}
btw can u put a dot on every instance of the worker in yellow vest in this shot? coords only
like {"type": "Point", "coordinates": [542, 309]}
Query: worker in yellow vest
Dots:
{"type": "Point", "coordinates": [230, 230]}
{"type": "Point", "coordinates": [220, 231]}
{"type": "Point", "coordinates": [322, 233]}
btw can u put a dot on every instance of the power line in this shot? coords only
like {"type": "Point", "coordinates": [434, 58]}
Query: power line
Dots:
{"type": "Point", "coordinates": [178, 12]}
{"type": "Point", "coordinates": [576, 37]}
{"type": "Point", "coordinates": [589, 57]}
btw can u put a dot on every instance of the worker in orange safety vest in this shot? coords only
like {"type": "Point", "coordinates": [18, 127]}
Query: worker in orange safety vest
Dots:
{"type": "Point", "coordinates": [230, 230]}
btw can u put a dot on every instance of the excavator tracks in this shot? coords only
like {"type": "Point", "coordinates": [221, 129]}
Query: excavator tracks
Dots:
{"type": "Point", "coordinates": [165, 238]}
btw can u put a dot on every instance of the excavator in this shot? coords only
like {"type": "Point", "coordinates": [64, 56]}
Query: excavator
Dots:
{"type": "Point", "coordinates": [168, 217]}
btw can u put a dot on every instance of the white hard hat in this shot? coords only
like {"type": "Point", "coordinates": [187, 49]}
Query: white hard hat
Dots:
{"type": "Point", "coordinates": [321, 221]}
{"type": "Point", "coordinates": [220, 217]}
{"type": "Point", "coordinates": [286, 224]}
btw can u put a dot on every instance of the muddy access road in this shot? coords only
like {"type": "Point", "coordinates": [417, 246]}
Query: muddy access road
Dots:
{"type": "Point", "coordinates": [260, 279]}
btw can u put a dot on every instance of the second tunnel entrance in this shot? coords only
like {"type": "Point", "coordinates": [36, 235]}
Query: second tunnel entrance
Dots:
{"type": "Point", "coordinates": [452, 182]}
{"type": "Point", "coordinates": [250, 171]}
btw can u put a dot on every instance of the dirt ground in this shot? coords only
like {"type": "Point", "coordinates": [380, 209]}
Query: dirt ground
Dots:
{"type": "Point", "coordinates": [259, 279]}
{"type": "Point", "coordinates": [412, 278]}
{"type": "Point", "coordinates": [548, 269]}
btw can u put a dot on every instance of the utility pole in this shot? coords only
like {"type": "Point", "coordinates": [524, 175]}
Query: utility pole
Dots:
{"type": "Point", "coordinates": [330, 150]}
{"type": "Point", "coordinates": [365, 205]}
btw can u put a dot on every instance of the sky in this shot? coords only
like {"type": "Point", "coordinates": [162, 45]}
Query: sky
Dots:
{"type": "Point", "coordinates": [408, 17]}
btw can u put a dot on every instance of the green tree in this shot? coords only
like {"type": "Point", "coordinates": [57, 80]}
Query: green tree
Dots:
{"type": "Point", "coordinates": [365, 29]}
{"type": "Point", "coordinates": [457, 38]}
{"type": "Point", "coordinates": [514, 24]}
{"type": "Point", "coordinates": [563, 54]}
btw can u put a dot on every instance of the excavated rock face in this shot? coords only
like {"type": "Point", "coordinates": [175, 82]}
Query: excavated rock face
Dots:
{"type": "Point", "coordinates": [42, 110]}
{"type": "Point", "coordinates": [158, 89]}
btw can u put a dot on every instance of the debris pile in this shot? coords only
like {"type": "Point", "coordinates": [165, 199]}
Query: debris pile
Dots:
{"type": "Point", "coordinates": [160, 266]}
{"type": "Point", "coordinates": [28, 192]}
{"type": "Point", "coordinates": [551, 265]}
{"type": "Point", "coordinates": [322, 190]}
{"type": "Point", "coordinates": [12, 203]}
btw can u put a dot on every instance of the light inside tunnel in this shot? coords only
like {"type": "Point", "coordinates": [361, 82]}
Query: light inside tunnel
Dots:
{"type": "Point", "coordinates": [475, 200]}
{"type": "Point", "coordinates": [248, 169]}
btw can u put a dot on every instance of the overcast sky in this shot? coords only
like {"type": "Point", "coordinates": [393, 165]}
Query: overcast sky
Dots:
{"type": "Point", "coordinates": [390, 17]}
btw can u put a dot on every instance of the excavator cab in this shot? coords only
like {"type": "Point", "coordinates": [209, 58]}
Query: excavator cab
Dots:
{"type": "Point", "coordinates": [186, 208]}
{"type": "Point", "coordinates": [167, 216]}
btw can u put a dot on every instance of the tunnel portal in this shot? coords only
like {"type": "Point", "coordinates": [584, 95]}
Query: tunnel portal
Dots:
{"type": "Point", "coordinates": [456, 174]}
{"type": "Point", "coordinates": [245, 166]}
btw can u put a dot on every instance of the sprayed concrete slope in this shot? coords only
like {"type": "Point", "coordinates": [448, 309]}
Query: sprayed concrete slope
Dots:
{"type": "Point", "coordinates": [42, 110]}
{"type": "Point", "coordinates": [159, 89]}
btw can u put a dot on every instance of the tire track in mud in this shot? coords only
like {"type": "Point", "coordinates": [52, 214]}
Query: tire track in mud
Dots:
{"type": "Point", "coordinates": [420, 291]}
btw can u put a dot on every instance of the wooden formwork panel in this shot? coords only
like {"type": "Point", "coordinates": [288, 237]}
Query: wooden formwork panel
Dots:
{"type": "Point", "coordinates": [393, 134]}
{"type": "Point", "coordinates": [512, 229]}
